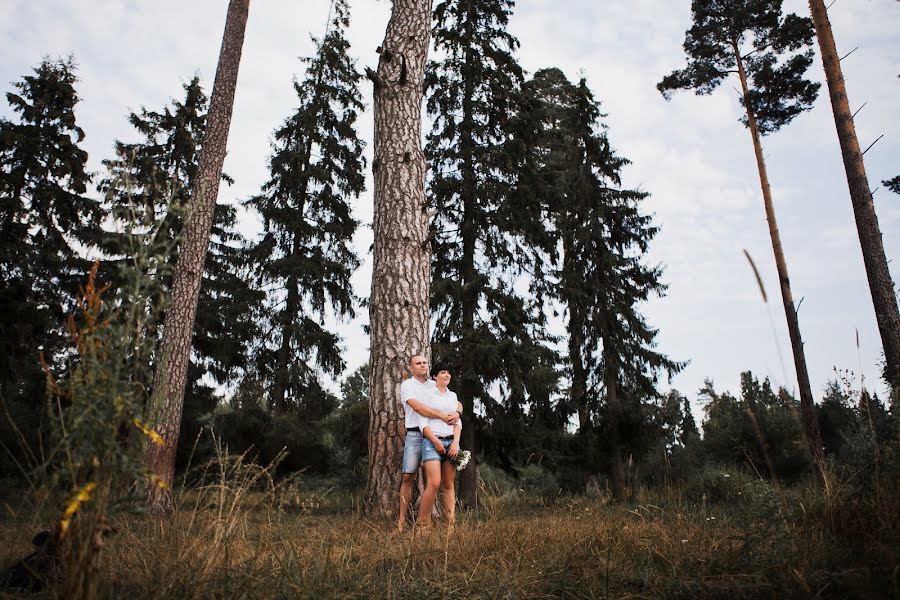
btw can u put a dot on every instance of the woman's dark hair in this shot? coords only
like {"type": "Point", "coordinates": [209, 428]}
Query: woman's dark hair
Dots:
{"type": "Point", "coordinates": [439, 366]}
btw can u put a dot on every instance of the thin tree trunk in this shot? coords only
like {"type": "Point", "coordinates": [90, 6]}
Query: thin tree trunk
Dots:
{"type": "Point", "coordinates": [881, 287]}
{"type": "Point", "coordinates": [282, 372]}
{"type": "Point", "coordinates": [578, 390]}
{"type": "Point", "coordinates": [469, 380]}
{"type": "Point", "coordinates": [613, 421]}
{"type": "Point", "coordinates": [171, 372]}
{"type": "Point", "coordinates": [401, 273]}
{"type": "Point", "coordinates": [807, 411]}
{"type": "Point", "coordinates": [292, 304]}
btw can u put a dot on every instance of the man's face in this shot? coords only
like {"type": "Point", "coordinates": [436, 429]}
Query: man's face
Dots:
{"type": "Point", "coordinates": [418, 365]}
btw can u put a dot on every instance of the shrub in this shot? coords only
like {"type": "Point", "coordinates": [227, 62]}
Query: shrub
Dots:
{"type": "Point", "coordinates": [718, 484]}
{"type": "Point", "coordinates": [496, 482]}
{"type": "Point", "coordinates": [538, 481]}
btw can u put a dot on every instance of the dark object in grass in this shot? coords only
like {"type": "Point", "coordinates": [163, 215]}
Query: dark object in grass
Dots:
{"type": "Point", "coordinates": [30, 573]}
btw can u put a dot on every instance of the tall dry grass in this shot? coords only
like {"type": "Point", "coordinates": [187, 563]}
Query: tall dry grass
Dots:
{"type": "Point", "coordinates": [237, 535]}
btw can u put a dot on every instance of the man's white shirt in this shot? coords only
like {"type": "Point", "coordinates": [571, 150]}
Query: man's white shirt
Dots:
{"type": "Point", "coordinates": [413, 388]}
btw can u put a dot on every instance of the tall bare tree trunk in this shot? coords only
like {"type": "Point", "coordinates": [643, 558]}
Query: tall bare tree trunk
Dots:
{"type": "Point", "coordinates": [171, 373]}
{"type": "Point", "coordinates": [401, 275]}
{"type": "Point", "coordinates": [469, 381]}
{"type": "Point", "coordinates": [613, 422]}
{"type": "Point", "coordinates": [807, 411]}
{"type": "Point", "coordinates": [880, 285]}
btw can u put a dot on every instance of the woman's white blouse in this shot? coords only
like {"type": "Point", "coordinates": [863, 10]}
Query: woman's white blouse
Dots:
{"type": "Point", "coordinates": [446, 403]}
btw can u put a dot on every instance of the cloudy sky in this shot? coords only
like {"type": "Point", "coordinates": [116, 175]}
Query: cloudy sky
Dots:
{"type": "Point", "coordinates": [691, 154]}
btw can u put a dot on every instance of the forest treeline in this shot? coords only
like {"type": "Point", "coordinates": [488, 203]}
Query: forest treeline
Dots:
{"type": "Point", "coordinates": [530, 221]}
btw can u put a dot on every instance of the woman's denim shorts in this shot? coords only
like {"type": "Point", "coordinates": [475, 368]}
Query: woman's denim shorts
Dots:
{"type": "Point", "coordinates": [430, 453]}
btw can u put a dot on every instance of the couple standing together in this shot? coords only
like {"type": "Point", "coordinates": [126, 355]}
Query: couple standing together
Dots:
{"type": "Point", "coordinates": [433, 426]}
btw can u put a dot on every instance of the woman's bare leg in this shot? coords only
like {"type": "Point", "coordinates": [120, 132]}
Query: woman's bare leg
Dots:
{"type": "Point", "coordinates": [432, 482]}
{"type": "Point", "coordinates": [448, 492]}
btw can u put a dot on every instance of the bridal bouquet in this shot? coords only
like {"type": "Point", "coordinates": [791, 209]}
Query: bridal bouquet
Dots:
{"type": "Point", "coordinates": [461, 460]}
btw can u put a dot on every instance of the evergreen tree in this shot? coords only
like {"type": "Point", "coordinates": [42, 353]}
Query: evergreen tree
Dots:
{"type": "Point", "coordinates": [689, 434]}
{"type": "Point", "coordinates": [46, 223]}
{"type": "Point", "coordinates": [305, 258]}
{"type": "Point", "coordinates": [759, 428]}
{"type": "Point", "coordinates": [151, 181]}
{"type": "Point", "coordinates": [837, 418]}
{"type": "Point", "coordinates": [602, 278]}
{"type": "Point", "coordinates": [483, 238]}
{"type": "Point", "coordinates": [893, 184]}
{"type": "Point", "coordinates": [770, 53]}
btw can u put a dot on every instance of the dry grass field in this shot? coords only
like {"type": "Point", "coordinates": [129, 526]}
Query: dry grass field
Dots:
{"type": "Point", "coordinates": [232, 541]}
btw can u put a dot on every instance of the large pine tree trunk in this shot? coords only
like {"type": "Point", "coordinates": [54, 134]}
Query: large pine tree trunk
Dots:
{"type": "Point", "coordinates": [171, 373]}
{"type": "Point", "coordinates": [401, 273]}
{"type": "Point", "coordinates": [880, 285]}
{"type": "Point", "coordinates": [807, 410]}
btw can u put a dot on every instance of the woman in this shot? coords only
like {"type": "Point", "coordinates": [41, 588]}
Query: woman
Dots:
{"type": "Point", "coordinates": [441, 443]}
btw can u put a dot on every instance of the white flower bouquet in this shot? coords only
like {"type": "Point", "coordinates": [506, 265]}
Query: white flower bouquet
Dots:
{"type": "Point", "coordinates": [461, 460]}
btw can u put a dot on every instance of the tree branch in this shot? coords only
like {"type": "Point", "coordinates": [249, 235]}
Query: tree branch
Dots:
{"type": "Point", "coordinates": [377, 81]}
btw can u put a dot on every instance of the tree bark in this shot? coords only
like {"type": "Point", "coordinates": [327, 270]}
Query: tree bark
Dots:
{"type": "Point", "coordinates": [881, 286]}
{"type": "Point", "coordinates": [171, 373]}
{"type": "Point", "coordinates": [807, 411]}
{"type": "Point", "coordinates": [401, 273]}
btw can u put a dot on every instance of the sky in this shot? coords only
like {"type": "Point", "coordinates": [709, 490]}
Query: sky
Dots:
{"type": "Point", "coordinates": [691, 153]}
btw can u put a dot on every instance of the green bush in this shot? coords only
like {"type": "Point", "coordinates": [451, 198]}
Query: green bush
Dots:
{"type": "Point", "coordinates": [718, 484]}
{"type": "Point", "coordinates": [496, 481]}
{"type": "Point", "coordinates": [538, 481]}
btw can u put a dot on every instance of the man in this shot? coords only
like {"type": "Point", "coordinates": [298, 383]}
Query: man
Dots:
{"type": "Point", "coordinates": [413, 392]}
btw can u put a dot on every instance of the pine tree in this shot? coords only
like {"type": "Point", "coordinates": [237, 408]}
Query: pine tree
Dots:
{"type": "Point", "coordinates": [881, 287]}
{"type": "Point", "coordinates": [770, 53]}
{"type": "Point", "coordinates": [601, 276]}
{"type": "Point", "coordinates": [305, 259]}
{"type": "Point", "coordinates": [46, 223]}
{"type": "Point", "coordinates": [482, 236]}
{"type": "Point", "coordinates": [688, 433]}
{"type": "Point", "coordinates": [893, 184]}
{"type": "Point", "coordinates": [151, 181]}
{"type": "Point", "coordinates": [172, 370]}
{"type": "Point", "coordinates": [398, 304]}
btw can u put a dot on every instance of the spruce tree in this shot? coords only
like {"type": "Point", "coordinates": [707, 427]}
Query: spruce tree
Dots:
{"type": "Point", "coordinates": [305, 258]}
{"type": "Point", "coordinates": [151, 181]}
{"type": "Point", "coordinates": [46, 222]}
{"type": "Point", "coordinates": [770, 54]}
{"type": "Point", "coordinates": [482, 237]}
{"type": "Point", "coordinates": [601, 274]}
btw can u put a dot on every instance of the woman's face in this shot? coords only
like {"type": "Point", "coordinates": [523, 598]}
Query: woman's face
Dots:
{"type": "Point", "coordinates": [442, 378]}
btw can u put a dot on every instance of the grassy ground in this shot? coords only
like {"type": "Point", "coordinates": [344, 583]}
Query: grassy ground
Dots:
{"type": "Point", "coordinates": [238, 543]}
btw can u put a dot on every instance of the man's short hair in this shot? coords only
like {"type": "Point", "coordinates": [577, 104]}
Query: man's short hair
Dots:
{"type": "Point", "coordinates": [439, 366]}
